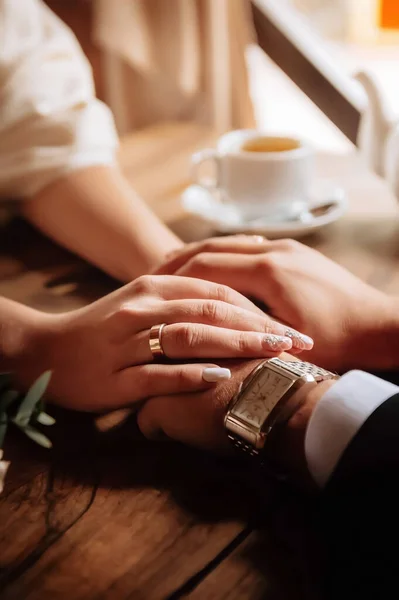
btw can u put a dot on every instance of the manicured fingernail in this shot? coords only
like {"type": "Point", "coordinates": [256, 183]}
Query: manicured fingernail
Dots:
{"type": "Point", "coordinates": [212, 374]}
{"type": "Point", "coordinates": [299, 340]}
{"type": "Point", "coordinates": [276, 342]}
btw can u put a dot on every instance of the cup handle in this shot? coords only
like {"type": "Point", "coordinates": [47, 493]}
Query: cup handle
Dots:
{"type": "Point", "coordinates": [197, 160]}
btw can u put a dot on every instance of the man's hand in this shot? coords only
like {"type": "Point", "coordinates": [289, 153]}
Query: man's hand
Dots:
{"type": "Point", "coordinates": [197, 419]}
{"type": "Point", "coordinates": [351, 323]}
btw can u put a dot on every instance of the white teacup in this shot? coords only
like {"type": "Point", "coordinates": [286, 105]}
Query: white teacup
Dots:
{"type": "Point", "coordinates": [260, 175]}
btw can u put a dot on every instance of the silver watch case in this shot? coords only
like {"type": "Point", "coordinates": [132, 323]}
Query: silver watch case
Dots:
{"type": "Point", "coordinates": [252, 415]}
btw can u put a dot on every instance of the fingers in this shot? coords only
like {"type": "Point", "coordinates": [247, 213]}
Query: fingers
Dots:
{"type": "Point", "coordinates": [207, 312]}
{"type": "Point", "coordinates": [224, 315]}
{"type": "Point", "coordinates": [195, 340]}
{"type": "Point", "coordinates": [153, 417]}
{"type": "Point", "coordinates": [172, 287]}
{"type": "Point", "coordinates": [250, 276]}
{"type": "Point", "coordinates": [138, 383]}
{"type": "Point", "coordinates": [195, 419]}
{"type": "Point", "coordinates": [241, 244]}
{"type": "Point", "coordinates": [239, 270]}
{"type": "Point", "coordinates": [196, 329]}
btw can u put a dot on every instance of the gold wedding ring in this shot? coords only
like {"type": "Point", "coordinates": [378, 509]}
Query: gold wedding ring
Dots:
{"type": "Point", "coordinates": [156, 341]}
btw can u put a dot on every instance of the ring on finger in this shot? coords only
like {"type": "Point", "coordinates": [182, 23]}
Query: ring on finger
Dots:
{"type": "Point", "coordinates": [155, 341]}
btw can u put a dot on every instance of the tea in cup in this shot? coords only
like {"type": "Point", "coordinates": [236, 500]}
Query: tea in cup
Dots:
{"type": "Point", "coordinates": [260, 175]}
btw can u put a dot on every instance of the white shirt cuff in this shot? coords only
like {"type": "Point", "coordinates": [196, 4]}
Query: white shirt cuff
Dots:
{"type": "Point", "coordinates": [338, 417]}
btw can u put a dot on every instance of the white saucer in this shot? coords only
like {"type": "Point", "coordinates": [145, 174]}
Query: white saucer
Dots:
{"type": "Point", "coordinates": [211, 216]}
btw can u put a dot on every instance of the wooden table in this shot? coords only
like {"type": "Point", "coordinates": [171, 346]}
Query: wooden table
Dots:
{"type": "Point", "coordinates": [109, 515]}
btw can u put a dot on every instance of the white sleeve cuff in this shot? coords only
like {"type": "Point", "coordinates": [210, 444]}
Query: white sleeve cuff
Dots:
{"type": "Point", "coordinates": [338, 417]}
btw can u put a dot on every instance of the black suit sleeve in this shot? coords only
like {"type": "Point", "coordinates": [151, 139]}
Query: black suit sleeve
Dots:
{"type": "Point", "coordinates": [358, 517]}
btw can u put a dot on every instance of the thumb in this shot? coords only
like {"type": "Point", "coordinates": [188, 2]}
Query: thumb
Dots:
{"type": "Point", "coordinates": [193, 419]}
{"type": "Point", "coordinates": [153, 417]}
{"type": "Point", "coordinates": [154, 379]}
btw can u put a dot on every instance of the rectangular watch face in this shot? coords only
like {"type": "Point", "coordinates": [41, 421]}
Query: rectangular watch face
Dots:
{"type": "Point", "coordinates": [261, 397]}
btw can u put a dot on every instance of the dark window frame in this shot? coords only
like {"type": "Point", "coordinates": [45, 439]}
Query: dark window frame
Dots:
{"type": "Point", "coordinates": [305, 68]}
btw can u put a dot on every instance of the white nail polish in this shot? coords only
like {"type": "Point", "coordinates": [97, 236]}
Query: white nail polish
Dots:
{"type": "Point", "coordinates": [213, 374]}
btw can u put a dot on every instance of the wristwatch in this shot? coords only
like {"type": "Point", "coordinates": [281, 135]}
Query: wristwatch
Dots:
{"type": "Point", "coordinates": [263, 400]}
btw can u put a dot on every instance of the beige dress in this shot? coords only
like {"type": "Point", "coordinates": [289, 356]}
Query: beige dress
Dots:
{"type": "Point", "coordinates": [176, 60]}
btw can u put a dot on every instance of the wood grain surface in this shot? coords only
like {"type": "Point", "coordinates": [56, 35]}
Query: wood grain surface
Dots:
{"type": "Point", "coordinates": [108, 515]}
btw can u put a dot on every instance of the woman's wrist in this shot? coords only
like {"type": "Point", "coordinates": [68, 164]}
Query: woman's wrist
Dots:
{"type": "Point", "coordinates": [95, 213]}
{"type": "Point", "coordinates": [22, 333]}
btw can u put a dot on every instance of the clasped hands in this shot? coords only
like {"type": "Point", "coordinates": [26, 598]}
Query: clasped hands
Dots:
{"type": "Point", "coordinates": [352, 324]}
{"type": "Point", "coordinates": [100, 354]}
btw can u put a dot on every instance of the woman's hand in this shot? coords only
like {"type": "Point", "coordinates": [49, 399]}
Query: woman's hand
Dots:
{"type": "Point", "coordinates": [351, 322]}
{"type": "Point", "coordinates": [100, 355]}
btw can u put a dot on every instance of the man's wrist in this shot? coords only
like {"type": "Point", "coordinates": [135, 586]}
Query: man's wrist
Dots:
{"type": "Point", "coordinates": [376, 345]}
{"type": "Point", "coordinates": [285, 447]}
{"type": "Point", "coordinates": [390, 337]}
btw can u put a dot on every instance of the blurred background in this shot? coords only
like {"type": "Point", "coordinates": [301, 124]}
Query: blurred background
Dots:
{"type": "Point", "coordinates": [343, 35]}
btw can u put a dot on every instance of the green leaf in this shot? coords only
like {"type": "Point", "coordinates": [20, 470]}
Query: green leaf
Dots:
{"type": "Point", "coordinates": [38, 408]}
{"type": "Point", "coordinates": [32, 397]}
{"type": "Point", "coordinates": [7, 398]}
{"type": "Point", "coordinates": [45, 419]}
{"type": "Point", "coordinates": [36, 436]}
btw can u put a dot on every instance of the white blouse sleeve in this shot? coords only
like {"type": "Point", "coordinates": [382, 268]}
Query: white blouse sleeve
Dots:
{"type": "Point", "coordinates": [50, 120]}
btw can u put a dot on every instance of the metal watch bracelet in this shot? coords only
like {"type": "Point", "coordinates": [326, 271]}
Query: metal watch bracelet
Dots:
{"type": "Point", "coordinates": [298, 369]}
